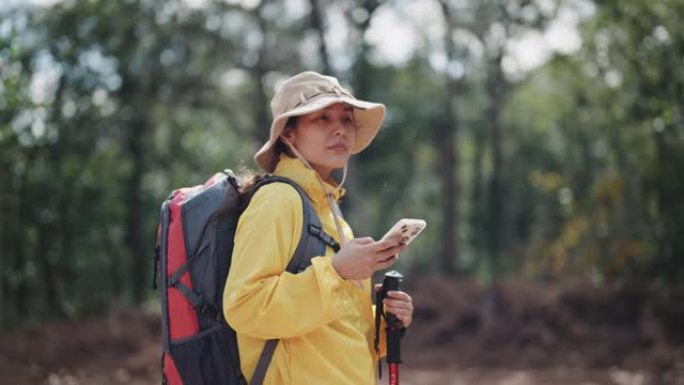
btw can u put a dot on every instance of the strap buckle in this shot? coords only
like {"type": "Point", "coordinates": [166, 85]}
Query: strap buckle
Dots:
{"type": "Point", "coordinates": [323, 236]}
{"type": "Point", "coordinates": [315, 230]}
{"type": "Point", "coordinates": [208, 311]}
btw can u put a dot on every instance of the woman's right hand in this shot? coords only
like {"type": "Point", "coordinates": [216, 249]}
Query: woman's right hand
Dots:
{"type": "Point", "coordinates": [361, 257]}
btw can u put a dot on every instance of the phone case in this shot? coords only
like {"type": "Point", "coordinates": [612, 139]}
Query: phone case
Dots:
{"type": "Point", "coordinates": [408, 228]}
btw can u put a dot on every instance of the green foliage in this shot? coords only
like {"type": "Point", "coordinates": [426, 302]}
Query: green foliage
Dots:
{"type": "Point", "coordinates": [105, 106]}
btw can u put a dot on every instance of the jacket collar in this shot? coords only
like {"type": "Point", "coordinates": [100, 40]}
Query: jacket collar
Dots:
{"type": "Point", "coordinates": [306, 178]}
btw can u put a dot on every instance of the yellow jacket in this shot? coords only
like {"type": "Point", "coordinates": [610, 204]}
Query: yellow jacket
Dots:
{"type": "Point", "coordinates": [325, 324]}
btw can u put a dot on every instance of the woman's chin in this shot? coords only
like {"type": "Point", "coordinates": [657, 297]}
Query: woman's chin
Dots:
{"type": "Point", "coordinates": [339, 164]}
{"type": "Point", "coordinates": [334, 161]}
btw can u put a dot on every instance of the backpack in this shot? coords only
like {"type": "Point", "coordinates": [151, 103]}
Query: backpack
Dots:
{"type": "Point", "coordinates": [193, 253]}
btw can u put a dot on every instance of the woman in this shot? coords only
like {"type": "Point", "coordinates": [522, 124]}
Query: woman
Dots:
{"type": "Point", "coordinates": [323, 316]}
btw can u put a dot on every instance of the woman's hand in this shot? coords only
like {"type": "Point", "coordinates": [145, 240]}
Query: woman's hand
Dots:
{"type": "Point", "coordinates": [400, 304]}
{"type": "Point", "coordinates": [361, 257]}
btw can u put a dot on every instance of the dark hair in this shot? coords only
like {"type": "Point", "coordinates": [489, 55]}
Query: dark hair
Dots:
{"type": "Point", "coordinates": [248, 178]}
{"type": "Point", "coordinates": [282, 148]}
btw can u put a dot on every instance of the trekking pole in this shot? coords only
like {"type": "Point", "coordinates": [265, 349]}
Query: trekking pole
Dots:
{"type": "Point", "coordinates": [394, 329]}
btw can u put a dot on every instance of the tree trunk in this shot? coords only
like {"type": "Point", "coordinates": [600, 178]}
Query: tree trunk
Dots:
{"type": "Point", "coordinates": [671, 210]}
{"type": "Point", "coordinates": [5, 261]}
{"type": "Point", "coordinates": [140, 256]}
{"type": "Point", "coordinates": [316, 19]}
{"type": "Point", "coordinates": [362, 72]}
{"type": "Point", "coordinates": [20, 294]}
{"type": "Point", "coordinates": [478, 206]}
{"type": "Point", "coordinates": [261, 102]}
{"type": "Point", "coordinates": [479, 216]}
{"type": "Point", "coordinates": [446, 141]}
{"type": "Point", "coordinates": [11, 246]}
{"type": "Point", "coordinates": [495, 85]}
{"type": "Point", "coordinates": [49, 269]}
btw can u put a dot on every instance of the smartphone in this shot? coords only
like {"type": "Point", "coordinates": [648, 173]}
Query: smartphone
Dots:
{"type": "Point", "coordinates": [408, 228]}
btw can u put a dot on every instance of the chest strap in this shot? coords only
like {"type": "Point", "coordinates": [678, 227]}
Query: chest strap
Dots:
{"type": "Point", "coordinates": [318, 232]}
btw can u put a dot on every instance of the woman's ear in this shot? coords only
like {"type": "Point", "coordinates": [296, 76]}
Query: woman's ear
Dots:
{"type": "Point", "coordinates": [289, 133]}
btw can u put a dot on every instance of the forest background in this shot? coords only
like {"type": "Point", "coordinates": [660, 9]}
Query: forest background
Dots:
{"type": "Point", "coordinates": [542, 140]}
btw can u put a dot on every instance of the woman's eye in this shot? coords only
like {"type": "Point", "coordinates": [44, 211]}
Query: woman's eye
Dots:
{"type": "Point", "coordinates": [323, 118]}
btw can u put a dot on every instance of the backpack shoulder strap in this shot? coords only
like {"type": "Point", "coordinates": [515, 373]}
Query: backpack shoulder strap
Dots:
{"type": "Point", "coordinates": [305, 247]}
{"type": "Point", "coordinates": [311, 225]}
{"type": "Point", "coordinates": [312, 242]}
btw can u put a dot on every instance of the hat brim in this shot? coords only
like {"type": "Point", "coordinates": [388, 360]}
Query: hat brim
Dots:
{"type": "Point", "coordinates": [368, 116]}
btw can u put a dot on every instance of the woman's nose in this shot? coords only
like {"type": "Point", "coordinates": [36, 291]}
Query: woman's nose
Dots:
{"type": "Point", "coordinates": [339, 129]}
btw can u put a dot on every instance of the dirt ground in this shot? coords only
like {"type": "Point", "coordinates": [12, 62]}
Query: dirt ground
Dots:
{"type": "Point", "coordinates": [516, 334]}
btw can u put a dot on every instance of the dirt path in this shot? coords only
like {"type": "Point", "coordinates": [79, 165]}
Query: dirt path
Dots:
{"type": "Point", "coordinates": [538, 337]}
{"type": "Point", "coordinates": [470, 376]}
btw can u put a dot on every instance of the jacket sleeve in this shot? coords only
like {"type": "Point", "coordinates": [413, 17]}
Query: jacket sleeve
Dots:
{"type": "Point", "coordinates": [260, 298]}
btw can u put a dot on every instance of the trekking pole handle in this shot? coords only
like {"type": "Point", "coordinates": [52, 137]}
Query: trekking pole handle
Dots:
{"type": "Point", "coordinates": [392, 282]}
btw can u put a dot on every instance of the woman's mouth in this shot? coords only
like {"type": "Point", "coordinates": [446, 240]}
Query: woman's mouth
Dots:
{"type": "Point", "coordinates": [338, 147]}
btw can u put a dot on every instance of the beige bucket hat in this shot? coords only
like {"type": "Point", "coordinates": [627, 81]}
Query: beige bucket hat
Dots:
{"type": "Point", "coordinates": [308, 92]}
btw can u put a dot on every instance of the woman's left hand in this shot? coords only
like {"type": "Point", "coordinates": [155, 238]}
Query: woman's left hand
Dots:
{"type": "Point", "coordinates": [400, 304]}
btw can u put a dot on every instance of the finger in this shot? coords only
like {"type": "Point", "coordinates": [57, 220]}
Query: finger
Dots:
{"type": "Point", "coordinates": [363, 240]}
{"type": "Point", "coordinates": [381, 265]}
{"type": "Point", "coordinates": [377, 286]}
{"type": "Point", "coordinates": [406, 321]}
{"type": "Point", "coordinates": [391, 257]}
{"type": "Point", "coordinates": [397, 304]}
{"type": "Point", "coordinates": [399, 313]}
{"type": "Point", "coordinates": [384, 254]}
{"type": "Point", "coordinates": [386, 243]}
{"type": "Point", "coordinates": [399, 295]}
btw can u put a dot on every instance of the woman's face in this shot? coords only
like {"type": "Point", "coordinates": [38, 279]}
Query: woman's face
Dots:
{"type": "Point", "coordinates": [325, 137]}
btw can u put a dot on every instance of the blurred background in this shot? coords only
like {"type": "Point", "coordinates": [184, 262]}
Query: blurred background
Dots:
{"type": "Point", "coordinates": [542, 140]}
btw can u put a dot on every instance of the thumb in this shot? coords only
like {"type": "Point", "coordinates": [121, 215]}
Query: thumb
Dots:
{"type": "Point", "coordinates": [362, 241]}
{"type": "Point", "coordinates": [377, 286]}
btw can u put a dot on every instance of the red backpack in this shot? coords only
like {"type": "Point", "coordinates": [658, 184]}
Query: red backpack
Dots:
{"type": "Point", "coordinates": [193, 253]}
